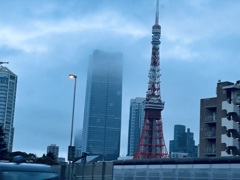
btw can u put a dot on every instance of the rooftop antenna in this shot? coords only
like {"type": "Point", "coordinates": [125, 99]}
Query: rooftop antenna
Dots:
{"type": "Point", "coordinates": [157, 13]}
{"type": "Point", "coordinates": [4, 62]}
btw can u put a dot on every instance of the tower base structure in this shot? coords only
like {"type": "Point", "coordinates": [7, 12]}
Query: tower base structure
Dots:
{"type": "Point", "coordinates": [152, 144]}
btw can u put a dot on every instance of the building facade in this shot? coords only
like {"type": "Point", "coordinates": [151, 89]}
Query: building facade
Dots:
{"type": "Point", "coordinates": [8, 89]}
{"type": "Point", "coordinates": [218, 168]}
{"type": "Point", "coordinates": [136, 119]}
{"type": "Point", "coordinates": [219, 122]}
{"type": "Point", "coordinates": [183, 144]}
{"type": "Point", "coordinates": [102, 113]}
{"type": "Point", "coordinates": [78, 143]}
{"type": "Point", "coordinates": [54, 149]}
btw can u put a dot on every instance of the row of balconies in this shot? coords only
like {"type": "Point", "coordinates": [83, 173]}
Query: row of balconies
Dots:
{"type": "Point", "coordinates": [230, 122]}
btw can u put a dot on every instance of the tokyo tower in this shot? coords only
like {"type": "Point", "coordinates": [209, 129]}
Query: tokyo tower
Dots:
{"type": "Point", "coordinates": [152, 144]}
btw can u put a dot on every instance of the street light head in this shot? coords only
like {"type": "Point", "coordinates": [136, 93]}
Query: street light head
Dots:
{"type": "Point", "coordinates": [72, 76]}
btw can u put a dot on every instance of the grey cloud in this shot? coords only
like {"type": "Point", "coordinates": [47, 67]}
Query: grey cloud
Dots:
{"type": "Point", "coordinates": [6, 51]}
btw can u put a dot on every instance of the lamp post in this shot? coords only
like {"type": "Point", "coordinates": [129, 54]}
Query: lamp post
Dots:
{"type": "Point", "coordinates": [71, 148]}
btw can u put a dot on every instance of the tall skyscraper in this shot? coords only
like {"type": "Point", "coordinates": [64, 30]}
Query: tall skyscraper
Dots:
{"type": "Point", "coordinates": [183, 143]}
{"type": "Point", "coordinates": [8, 88]}
{"type": "Point", "coordinates": [102, 113]}
{"type": "Point", "coordinates": [136, 119]}
{"type": "Point", "coordinates": [219, 122]}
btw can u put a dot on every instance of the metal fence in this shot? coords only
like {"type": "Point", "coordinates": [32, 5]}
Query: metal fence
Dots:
{"type": "Point", "coordinates": [86, 171]}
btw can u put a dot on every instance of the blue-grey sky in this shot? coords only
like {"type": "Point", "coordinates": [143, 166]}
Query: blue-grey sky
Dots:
{"type": "Point", "coordinates": [45, 40]}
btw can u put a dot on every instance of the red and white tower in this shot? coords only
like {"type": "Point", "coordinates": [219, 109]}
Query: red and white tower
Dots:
{"type": "Point", "coordinates": [152, 144]}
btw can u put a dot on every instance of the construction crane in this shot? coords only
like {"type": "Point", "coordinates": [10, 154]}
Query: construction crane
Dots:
{"type": "Point", "coordinates": [4, 62]}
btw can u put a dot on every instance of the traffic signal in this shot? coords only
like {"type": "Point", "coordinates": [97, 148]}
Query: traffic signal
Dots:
{"type": "Point", "coordinates": [71, 153]}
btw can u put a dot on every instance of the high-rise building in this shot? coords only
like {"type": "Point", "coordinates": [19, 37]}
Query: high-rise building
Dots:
{"type": "Point", "coordinates": [78, 143]}
{"type": "Point", "coordinates": [8, 88]}
{"type": "Point", "coordinates": [178, 144]}
{"type": "Point", "coordinates": [102, 113]}
{"type": "Point", "coordinates": [219, 122]}
{"type": "Point", "coordinates": [136, 119]}
{"type": "Point", "coordinates": [183, 143]}
{"type": "Point", "coordinates": [54, 149]}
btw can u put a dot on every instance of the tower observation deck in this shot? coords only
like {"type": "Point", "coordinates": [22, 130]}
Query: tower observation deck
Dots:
{"type": "Point", "coordinates": [152, 144]}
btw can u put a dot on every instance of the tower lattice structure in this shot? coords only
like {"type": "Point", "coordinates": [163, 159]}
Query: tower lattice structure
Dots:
{"type": "Point", "coordinates": [152, 144]}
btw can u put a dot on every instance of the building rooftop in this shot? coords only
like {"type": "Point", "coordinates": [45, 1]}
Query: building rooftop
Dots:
{"type": "Point", "coordinates": [204, 160]}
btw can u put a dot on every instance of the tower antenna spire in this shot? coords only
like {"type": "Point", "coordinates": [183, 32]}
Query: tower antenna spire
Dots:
{"type": "Point", "coordinates": [157, 13]}
{"type": "Point", "coordinates": [4, 62]}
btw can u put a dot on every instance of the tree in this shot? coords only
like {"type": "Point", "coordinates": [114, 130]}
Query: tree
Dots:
{"type": "Point", "coordinates": [51, 155]}
{"type": "Point", "coordinates": [3, 145]}
{"type": "Point", "coordinates": [30, 158]}
{"type": "Point", "coordinates": [47, 159]}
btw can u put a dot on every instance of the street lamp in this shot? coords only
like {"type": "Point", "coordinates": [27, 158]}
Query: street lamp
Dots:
{"type": "Point", "coordinates": [71, 148]}
{"type": "Point", "coordinates": [72, 76]}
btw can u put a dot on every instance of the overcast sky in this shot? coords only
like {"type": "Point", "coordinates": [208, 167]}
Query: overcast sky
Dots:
{"type": "Point", "coordinates": [45, 40]}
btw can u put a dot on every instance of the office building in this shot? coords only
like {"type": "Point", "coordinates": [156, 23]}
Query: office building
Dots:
{"type": "Point", "coordinates": [54, 149]}
{"type": "Point", "coordinates": [183, 144]}
{"type": "Point", "coordinates": [78, 143]}
{"type": "Point", "coordinates": [102, 113]}
{"type": "Point", "coordinates": [136, 119]}
{"type": "Point", "coordinates": [8, 88]}
{"type": "Point", "coordinates": [219, 122]}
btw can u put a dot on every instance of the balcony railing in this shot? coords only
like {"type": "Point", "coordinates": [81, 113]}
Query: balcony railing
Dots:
{"type": "Point", "coordinates": [210, 134]}
{"type": "Point", "coordinates": [210, 119]}
{"type": "Point", "coordinates": [210, 150]}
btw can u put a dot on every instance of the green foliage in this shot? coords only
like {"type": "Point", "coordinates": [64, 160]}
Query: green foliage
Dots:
{"type": "Point", "coordinates": [49, 159]}
{"type": "Point", "coordinates": [3, 145]}
{"type": "Point", "coordinates": [51, 155]}
{"type": "Point", "coordinates": [30, 158]}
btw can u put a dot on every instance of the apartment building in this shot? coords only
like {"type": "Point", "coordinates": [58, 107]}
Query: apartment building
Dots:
{"type": "Point", "coordinates": [219, 122]}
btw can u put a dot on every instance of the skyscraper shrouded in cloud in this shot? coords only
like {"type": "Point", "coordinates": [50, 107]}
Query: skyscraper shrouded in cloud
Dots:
{"type": "Point", "coordinates": [136, 118]}
{"type": "Point", "coordinates": [8, 88]}
{"type": "Point", "coordinates": [102, 113]}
